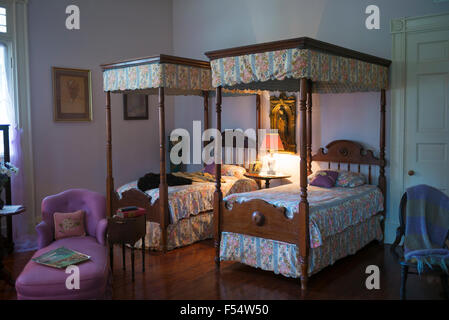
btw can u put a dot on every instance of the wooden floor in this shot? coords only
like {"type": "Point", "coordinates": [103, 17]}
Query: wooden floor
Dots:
{"type": "Point", "coordinates": [189, 273]}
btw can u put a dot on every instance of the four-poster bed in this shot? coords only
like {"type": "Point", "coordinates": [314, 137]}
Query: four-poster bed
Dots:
{"type": "Point", "coordinates": [262, 228]}
{"type": "Point", "coordinates": [165, 75]}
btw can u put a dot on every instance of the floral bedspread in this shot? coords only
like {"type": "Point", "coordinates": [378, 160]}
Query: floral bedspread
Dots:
{"type": "Point", "coordinates": [185, 201]}
{"type": "Point", "coordinates": [331, 210]}
{"type": "Point", "coordinates": [282, 258]}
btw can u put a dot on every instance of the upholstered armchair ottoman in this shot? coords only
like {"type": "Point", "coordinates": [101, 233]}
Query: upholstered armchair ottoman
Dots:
{"type": "Point", "coordinates": [42, 282]}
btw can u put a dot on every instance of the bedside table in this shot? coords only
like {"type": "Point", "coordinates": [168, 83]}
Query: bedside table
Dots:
{"type": "Point", "coordinates": [126, 231]}
{"type": "Point", "coordinates": [267, 178]}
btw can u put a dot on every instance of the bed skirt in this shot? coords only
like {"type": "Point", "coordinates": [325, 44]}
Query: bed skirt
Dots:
{"type": "Point", "coordinates": [183, 233]}
{"type": "Point", "coordinates": [281, 258]}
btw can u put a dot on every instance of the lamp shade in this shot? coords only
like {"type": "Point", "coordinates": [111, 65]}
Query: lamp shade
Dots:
{"type": "Point", "coordinates": [273, 142]}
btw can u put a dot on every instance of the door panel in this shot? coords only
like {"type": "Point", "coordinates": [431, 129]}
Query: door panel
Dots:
{"type": "Point", "coordinates": [427, 110]}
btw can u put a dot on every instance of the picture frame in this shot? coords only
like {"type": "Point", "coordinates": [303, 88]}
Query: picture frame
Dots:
{"type": "Point", "coordinates": [72, 94]}
{"type": "Point", "coordinates": [255, 167]}
{"type": "Point", "coordinates": [135, 107]}
{"type": "Point", "coordinates": [283, 118]}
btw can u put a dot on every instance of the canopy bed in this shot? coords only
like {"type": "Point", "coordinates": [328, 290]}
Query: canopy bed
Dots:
{"type": "Point", "coordinates": [174, 214]}
{"type": "Point", "coordinates": [297, 230]}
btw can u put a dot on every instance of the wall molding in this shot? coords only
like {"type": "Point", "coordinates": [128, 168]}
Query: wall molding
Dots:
{"type": "Point", "coordinates": [399, 29]}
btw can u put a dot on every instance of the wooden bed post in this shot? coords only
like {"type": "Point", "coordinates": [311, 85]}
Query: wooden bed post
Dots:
{"type": "Point", "coordinates": [258, 123]}
{"type": "Point", "coordinates": [304, 242]}
{"type": "Point", "coordinates": [218, 196]}
{"type": "Point", "coordinates": [382, 182]}
{"type": "Point", "coordinates": [109, 177]}
{"type": "Point", "coordinates": [206, 113]}
{"type": "Point", "coordinates": [163, 188]}
{"type": "Point", "coordinates": [309, 127]}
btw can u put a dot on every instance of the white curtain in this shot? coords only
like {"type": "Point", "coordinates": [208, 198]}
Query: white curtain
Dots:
{"type": "Point", "coordinates": [7, 115]}
{"type": "Point", "coordinates": [23, 233]}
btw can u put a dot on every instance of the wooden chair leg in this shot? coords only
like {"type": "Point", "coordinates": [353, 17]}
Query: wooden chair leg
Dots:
{"type": "Point", "coordinates": [143, 254]}
{"type": "Point", "coordinates": [304, 277]}
{"type": "Point", "coordinates": [132, 262]}
{"type": "Point", "coordinates": [445, 285]}
{"type": "Point", "coordinates": [111, 256]}
{"type": "Point", "coordinates": [123, 257]}
{"type": "Point", "coordinates": [404, 274]}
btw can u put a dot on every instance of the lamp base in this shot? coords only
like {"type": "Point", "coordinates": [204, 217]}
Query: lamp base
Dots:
{"type": "Point", "coordinates": [271, 166]}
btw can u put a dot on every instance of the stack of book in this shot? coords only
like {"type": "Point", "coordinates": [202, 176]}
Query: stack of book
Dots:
{"type": "Point", "coordinates": [130, 212]}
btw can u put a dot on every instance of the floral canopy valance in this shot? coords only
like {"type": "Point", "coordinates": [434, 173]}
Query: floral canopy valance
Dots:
{"type": "Point", "coordinates": [277, 66]}
{"type": "Point", "coordinates": [179, 76]}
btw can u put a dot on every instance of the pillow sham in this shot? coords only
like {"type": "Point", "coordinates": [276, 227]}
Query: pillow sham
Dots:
{"type": "Point", "coordinates": [324, 178]}
{"type": "Point", "coordinates": [350, 179]}
{"type": "Point", "coordinates": [346, 179]}
{"type": "Point", "coordinates": [69, 224]}
{"type": "Point", "coordinates": [232, 170]}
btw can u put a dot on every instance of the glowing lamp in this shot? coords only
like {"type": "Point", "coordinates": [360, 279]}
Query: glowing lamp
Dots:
{"type": "Point", "coordinates": [273, 143]}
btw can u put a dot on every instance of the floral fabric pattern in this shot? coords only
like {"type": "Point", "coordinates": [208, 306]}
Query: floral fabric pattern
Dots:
{"type": "Point", "coordinates": [282, 258]}
{"type": "Point", "coordinates": [350, 179]}
{"type": "Point", "coordinates": [180, 234]}
{"type": "Point", "coordinates": [185, 201]}
{"type": "Point", "coordinates": [233, 171]}
{"type": "Point", "coordinates": [184, 79]}
{"type": "Point", "coordinates": [331, 210]}
{"type": "Point", "coordinates": [69, 224]}
{"type": "Point", "coordinates": [330, 74]}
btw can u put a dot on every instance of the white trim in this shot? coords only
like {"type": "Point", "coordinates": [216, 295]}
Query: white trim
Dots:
{"type": "Point", "coordinates": [399, 30]}
{"type": "Point", "coordinates": [24, 119]}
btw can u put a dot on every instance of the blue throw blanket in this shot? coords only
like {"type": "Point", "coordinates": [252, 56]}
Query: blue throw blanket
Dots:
{"type": "Point", "coordinates": [427, 226]}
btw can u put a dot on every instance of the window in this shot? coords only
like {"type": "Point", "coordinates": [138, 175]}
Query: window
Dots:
{"type": "Point", "coordinates": [3, 27]}
{"type": "Point", "coordinates": [7, 114]}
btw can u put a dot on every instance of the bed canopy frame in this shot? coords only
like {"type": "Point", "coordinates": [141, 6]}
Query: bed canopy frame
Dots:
{"type": "Point", "coordinates": [306, 66]}
{"type": "Point", "coordinates": [156, 75]}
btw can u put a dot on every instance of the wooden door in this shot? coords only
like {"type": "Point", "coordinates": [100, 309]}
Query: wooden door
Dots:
{"type": "Point", "coordinates": [427, 110]}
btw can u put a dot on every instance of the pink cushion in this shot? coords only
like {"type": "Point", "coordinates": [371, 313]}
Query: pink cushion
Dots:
{"type": "Point", "coordinates": [69, 224]}
{"type": "Point", "coordinates": [210, 168]}
{"type": "Point", "coordinates": [41, 282]}
{"type": "Point", "coordinates": [324, 178]}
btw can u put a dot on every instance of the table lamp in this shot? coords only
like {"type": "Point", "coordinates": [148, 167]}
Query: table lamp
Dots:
{"type": "Point", "coordinates": [273, 143]}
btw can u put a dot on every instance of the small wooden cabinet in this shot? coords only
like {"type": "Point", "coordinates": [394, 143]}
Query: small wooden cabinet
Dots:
{"type": "Point", "coordinates": [126, 231]}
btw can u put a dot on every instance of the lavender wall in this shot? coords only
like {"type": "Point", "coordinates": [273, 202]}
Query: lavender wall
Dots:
{"type": "Point", "coordinates": [202, 25]}
{"type": "Point", "coordinates": [68, 155]}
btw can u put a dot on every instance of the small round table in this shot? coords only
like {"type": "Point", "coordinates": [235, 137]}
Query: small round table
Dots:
{"type": "Point", "coordinates": [7, 244]}
{"type": "Point", "coordinates": [266, 177]}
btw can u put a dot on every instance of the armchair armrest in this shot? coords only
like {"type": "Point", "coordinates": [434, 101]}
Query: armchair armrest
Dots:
{"type": "Point", "coordinates": [101, 231]}
{"type": "Point", "coordinates": [44, 234]}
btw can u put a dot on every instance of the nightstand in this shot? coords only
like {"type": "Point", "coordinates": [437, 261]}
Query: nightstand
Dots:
{"type": "Point", "coordinates": [126, 231]}
{"type": "Point", "coordinates": [265, 177]}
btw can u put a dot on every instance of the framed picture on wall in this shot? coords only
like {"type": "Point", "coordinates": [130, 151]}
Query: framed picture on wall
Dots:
{"type": "Point", "coordinates": [283, 118]}
{"type": "Point", "coordinates": [135, 107]}
{"type": "Point", "coordinates": [72, 94]}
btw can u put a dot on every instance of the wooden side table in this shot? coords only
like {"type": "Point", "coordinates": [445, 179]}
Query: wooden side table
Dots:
{"type": "Point", "coordinates": [126, 231]}
{"type": "Point", "coordinates": [6, 244]}
{"type": "Point", "coordinates": [266, 178]}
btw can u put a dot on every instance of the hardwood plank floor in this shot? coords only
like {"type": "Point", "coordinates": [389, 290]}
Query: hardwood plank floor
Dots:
{"type": "Point", "coordinates": [189, 273]}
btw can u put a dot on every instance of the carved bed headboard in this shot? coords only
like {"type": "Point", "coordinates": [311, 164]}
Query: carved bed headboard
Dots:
{"type": "Point", "coordinates": [247, 143]}
{"type": "Point", "coordinates": [348, 152]}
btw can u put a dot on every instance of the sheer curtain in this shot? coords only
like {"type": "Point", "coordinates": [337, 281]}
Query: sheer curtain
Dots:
{"type": "Point", "coordinates": [23, 231]}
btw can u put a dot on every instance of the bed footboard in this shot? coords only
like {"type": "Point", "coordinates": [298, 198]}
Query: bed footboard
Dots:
{"type": "Point", "coordinates": [261, 219]}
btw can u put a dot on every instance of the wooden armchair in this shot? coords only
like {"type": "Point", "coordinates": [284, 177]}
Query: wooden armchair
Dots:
{"type": "Point", "coordinates": [410, 267]}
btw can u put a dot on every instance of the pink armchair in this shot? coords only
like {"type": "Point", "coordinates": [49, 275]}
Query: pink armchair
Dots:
{"type": "Point", "coordinates": [41, 282]}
